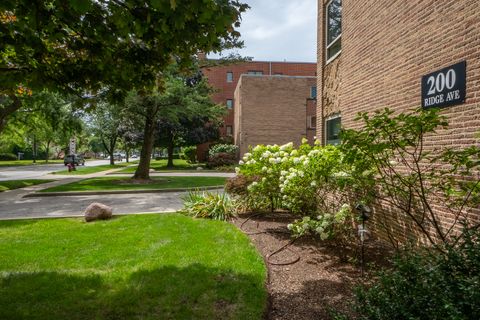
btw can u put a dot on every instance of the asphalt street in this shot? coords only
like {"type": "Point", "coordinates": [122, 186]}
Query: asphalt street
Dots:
{"type": "Point", "coordinates": [38, 171]}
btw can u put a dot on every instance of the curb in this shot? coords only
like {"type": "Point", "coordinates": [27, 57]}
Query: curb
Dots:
{"type": "Point", "coordinates": [94, 193]}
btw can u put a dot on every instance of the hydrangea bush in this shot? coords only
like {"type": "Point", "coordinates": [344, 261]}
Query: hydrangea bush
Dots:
{"type": "Point", "coordinates": [312, 181]}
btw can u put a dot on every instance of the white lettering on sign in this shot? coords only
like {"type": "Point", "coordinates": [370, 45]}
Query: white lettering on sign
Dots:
{"type": "Point", "coordinates": [437, 84]}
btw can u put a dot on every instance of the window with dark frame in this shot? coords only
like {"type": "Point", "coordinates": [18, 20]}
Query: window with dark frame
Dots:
{"type": "Point", "coordinates": [255, 72]}
{"type": "Point", "coordinates": [334, 28]}
{"type": "Point", "coordinates": [229, 130]}
{"type": "Point", "coordinates": [229, 103]}
{"type": "Point", "coordinates": [229, 76]}
{"type": "Point", "coordinates": [333, 126]}
{"type": "Point", "coordinates": [313, 92]}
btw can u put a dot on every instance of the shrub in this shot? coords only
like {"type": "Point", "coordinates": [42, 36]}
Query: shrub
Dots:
{"type": "Point", "coordinates": [221, 159]}
{"type": "Point", "coordinates": [223, 148]}
{"type": "Point", "coordinates": [7, 157]}
{"type": "Point", "coordinates": [427, 285]}
{"type": "Point", "coordinates": [216, 206]}
{"type": "Point", "coordinates": [190, 154]}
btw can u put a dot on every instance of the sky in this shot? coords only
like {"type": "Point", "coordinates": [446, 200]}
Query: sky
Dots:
{"type": "Point", "coordinates": [278, 30]}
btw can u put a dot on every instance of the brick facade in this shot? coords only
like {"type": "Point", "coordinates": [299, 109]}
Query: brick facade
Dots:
{"type": "Point", "coordinates": [387, 46]}
{"type": "Point", "coordinates": [273, 110]}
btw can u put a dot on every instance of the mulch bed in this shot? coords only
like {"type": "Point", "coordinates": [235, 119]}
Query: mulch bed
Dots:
{"type": "Point", "coordinates": [320, 281]}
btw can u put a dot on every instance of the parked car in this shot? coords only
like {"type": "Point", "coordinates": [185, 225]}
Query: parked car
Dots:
{"type": "Point", "coordinates": [76, 159]}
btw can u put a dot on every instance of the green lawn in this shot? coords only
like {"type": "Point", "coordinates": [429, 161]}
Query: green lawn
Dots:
{"type": "Point", "coordinates": [118, 183]}
{"type": "Point", "coordinates": [81, 170]}
{"type": "Point", "coordinates": [16, 184]}
{"type": "Point", "coordinates": [27, 162]}
{"type": "Point", "coordinates": [132, 267]}
{"type": "Point", "coordinates": [161, 165]}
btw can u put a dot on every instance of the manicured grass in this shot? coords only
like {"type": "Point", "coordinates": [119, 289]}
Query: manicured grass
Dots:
{"type": "Point", "coordinates": [27, 163]}
{"type": "Point", "coordinates": [81, 170]}
{"type": "Point", "coordinates": [131, 267]}
{"type": "Point", "coordinates": [117, 183]}
{"type": "Point", "coordinates": [161, 165]}
{"type": "Point", "coordinates": [16, 184]}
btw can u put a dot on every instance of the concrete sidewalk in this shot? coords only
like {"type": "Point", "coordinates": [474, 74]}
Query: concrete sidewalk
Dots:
{"type": "Point", "coordinates": [14, 204]}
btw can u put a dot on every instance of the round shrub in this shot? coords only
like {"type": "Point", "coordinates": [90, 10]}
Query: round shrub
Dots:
{"type": "Point", "coordinates": [223, 148]}
{"type": "Point", "coordinates": [7, 157]}
{"type": "Point", "coordinates": [190, 154]}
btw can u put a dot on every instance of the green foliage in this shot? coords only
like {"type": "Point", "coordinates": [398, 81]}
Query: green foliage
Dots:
{"type": "Point", "coordinates": [223, 148]}
{"type": "Point", "coordinates": [411, 175]}
{"type": "Point", "coordinates": [7, 157]}
{"type": "Point", "coordinates": [190, 154]}
{"type": "Point", "coordinates": [211, 205]}
{"type": "Point", "coordinates": [427, 285]}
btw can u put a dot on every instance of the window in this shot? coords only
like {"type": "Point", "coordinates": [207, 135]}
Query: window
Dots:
{"type": "Point", "coordinates": [255, 73]}
{"type": "Point", "coordinates": [334, 28]}
{"type": "Point", "coordinates": [313, 92]}
{"type": "Point", "coordinates": [312, 122]}
{"type": "Point", "coordinates": [229, 130]}
{"type": "Point", "coordinates": [229, 103]}
{"type": "Point", "coordinates": [229, 76]}
{"type": "Point", "coordinates": [332, 130]}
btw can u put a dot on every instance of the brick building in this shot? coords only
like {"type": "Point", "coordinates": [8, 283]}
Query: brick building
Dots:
{"type": "Point", "coordinates": [373, 54]}
{"type": "Point", "coordinates": [274, 110]}
{"type": "Point", "coordinates": [225, 78]}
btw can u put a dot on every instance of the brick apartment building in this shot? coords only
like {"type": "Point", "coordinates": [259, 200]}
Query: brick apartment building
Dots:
{"type": "Point", "coordinates": [373, 54]}
{"type": "Point", "coordinates": [225, 78]}
{"type": "Point", "coordinates": [274, 110]}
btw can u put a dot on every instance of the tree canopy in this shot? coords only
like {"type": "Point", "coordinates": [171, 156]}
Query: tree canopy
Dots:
{"type": "Point", "coordinates": [87, 47]}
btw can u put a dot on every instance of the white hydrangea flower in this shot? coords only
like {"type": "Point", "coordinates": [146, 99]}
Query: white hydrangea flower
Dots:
{"type": "Point", "coordinates": [303, 158]}
{"type": "Point", "coordinates": [324, 236]}
{"type": "Point", "coordinates": [264, 179]}
{"type": "Point", "coordinates": [313, 183]}
{"type": "Point", "coordinates": [283, 172]}
{"type": "Point", "coordinates": [282, 190]}
{"type": "Point", "coordinates": [301, 173]}
{"type": "Point", "coordinates": [296, 160]}
{"type": "Point", "coordinates": [285, 197]}
{"type": "Point", "coordinates": [271, 160]}
{"type": "Point", "coordinates": [305, 163]}
{"type": "Point", "coordinates": [237, 169]}
{"type": "Point", "coordinates": [289, 226]}
{"type": "Point", "coordinates": [285, 159]}
{"type": "Point", "coordinates": [246, 156]}
{"type": "Point", "coordinates": [264, 169]}
{"type": "Point", "coordinates": [258, 147]}
{"type": "Point", "coordinates": [294, 153]}
{"type": "Point", "coordinates": [270, 170]}
{"type": "Point", "coordinates": [241, 162]}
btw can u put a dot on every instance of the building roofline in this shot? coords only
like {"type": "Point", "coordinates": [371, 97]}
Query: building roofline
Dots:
{"type": "Point", "coordinates": [266, 61]}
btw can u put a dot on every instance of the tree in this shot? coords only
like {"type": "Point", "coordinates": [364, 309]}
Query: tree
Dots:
{"type": "Point", "coordinates": [197, 118]}
{"type": "Point", "coordinates": [108, 47]}
{"type": "Point", "coordinates": [105, 123]}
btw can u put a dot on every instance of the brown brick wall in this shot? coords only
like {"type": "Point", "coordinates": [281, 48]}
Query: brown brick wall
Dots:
{"type": "Point", "coordinates": [217, 77]}
{"type": "Point", "coordinates": [387, 46]}
{"type": "Point", "coordinates": [271, 110]}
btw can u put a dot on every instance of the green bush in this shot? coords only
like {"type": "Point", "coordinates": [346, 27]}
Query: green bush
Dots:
{"type": "Point", "coordinates": [190, 154]}
{"type": "Point", "coordinates": [427, 285]}
{"type": "Point", "coordinates": [216, 206]}
{"type": "Point", "coordinates": [7, 157]}
{"type": "Point", "coordinates": [230, 149]}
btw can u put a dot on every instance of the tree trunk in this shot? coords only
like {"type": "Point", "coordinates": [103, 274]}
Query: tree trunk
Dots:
{"type": "Point", "coordinates": [112, 150]}
{"type": "Point", "coordinates": [127, 154]}
{"type": "Point", "coordinates": [6, 111]}
{"type": "Point", "coordinates": [143, 169]}
{"type": "Point", "coordinates": [47, 151]}
{"type": "Point", "coordinates": [170, 154]}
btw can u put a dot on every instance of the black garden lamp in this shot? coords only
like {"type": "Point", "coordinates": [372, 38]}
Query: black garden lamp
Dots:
{"type": "Point", "coordinates": [364, 213]}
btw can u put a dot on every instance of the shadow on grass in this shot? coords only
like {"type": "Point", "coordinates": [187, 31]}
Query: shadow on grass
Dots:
{"type": "Point", "coordinates": [193, 292]}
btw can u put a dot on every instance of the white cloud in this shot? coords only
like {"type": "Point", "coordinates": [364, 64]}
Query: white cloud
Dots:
{"type": "Point", "coordinates": [280, 30]}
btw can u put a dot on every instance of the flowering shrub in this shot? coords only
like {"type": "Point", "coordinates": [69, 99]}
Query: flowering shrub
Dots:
{"type": "Point", "coordinates": [223, 148]}
{"type": "Point", "coordinates": [313, 181]}
{"type": "Point", "coordinates": [266, 163]}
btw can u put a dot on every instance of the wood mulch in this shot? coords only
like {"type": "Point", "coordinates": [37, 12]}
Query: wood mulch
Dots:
{"type": "Point", "coordinates": [319, 282]}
